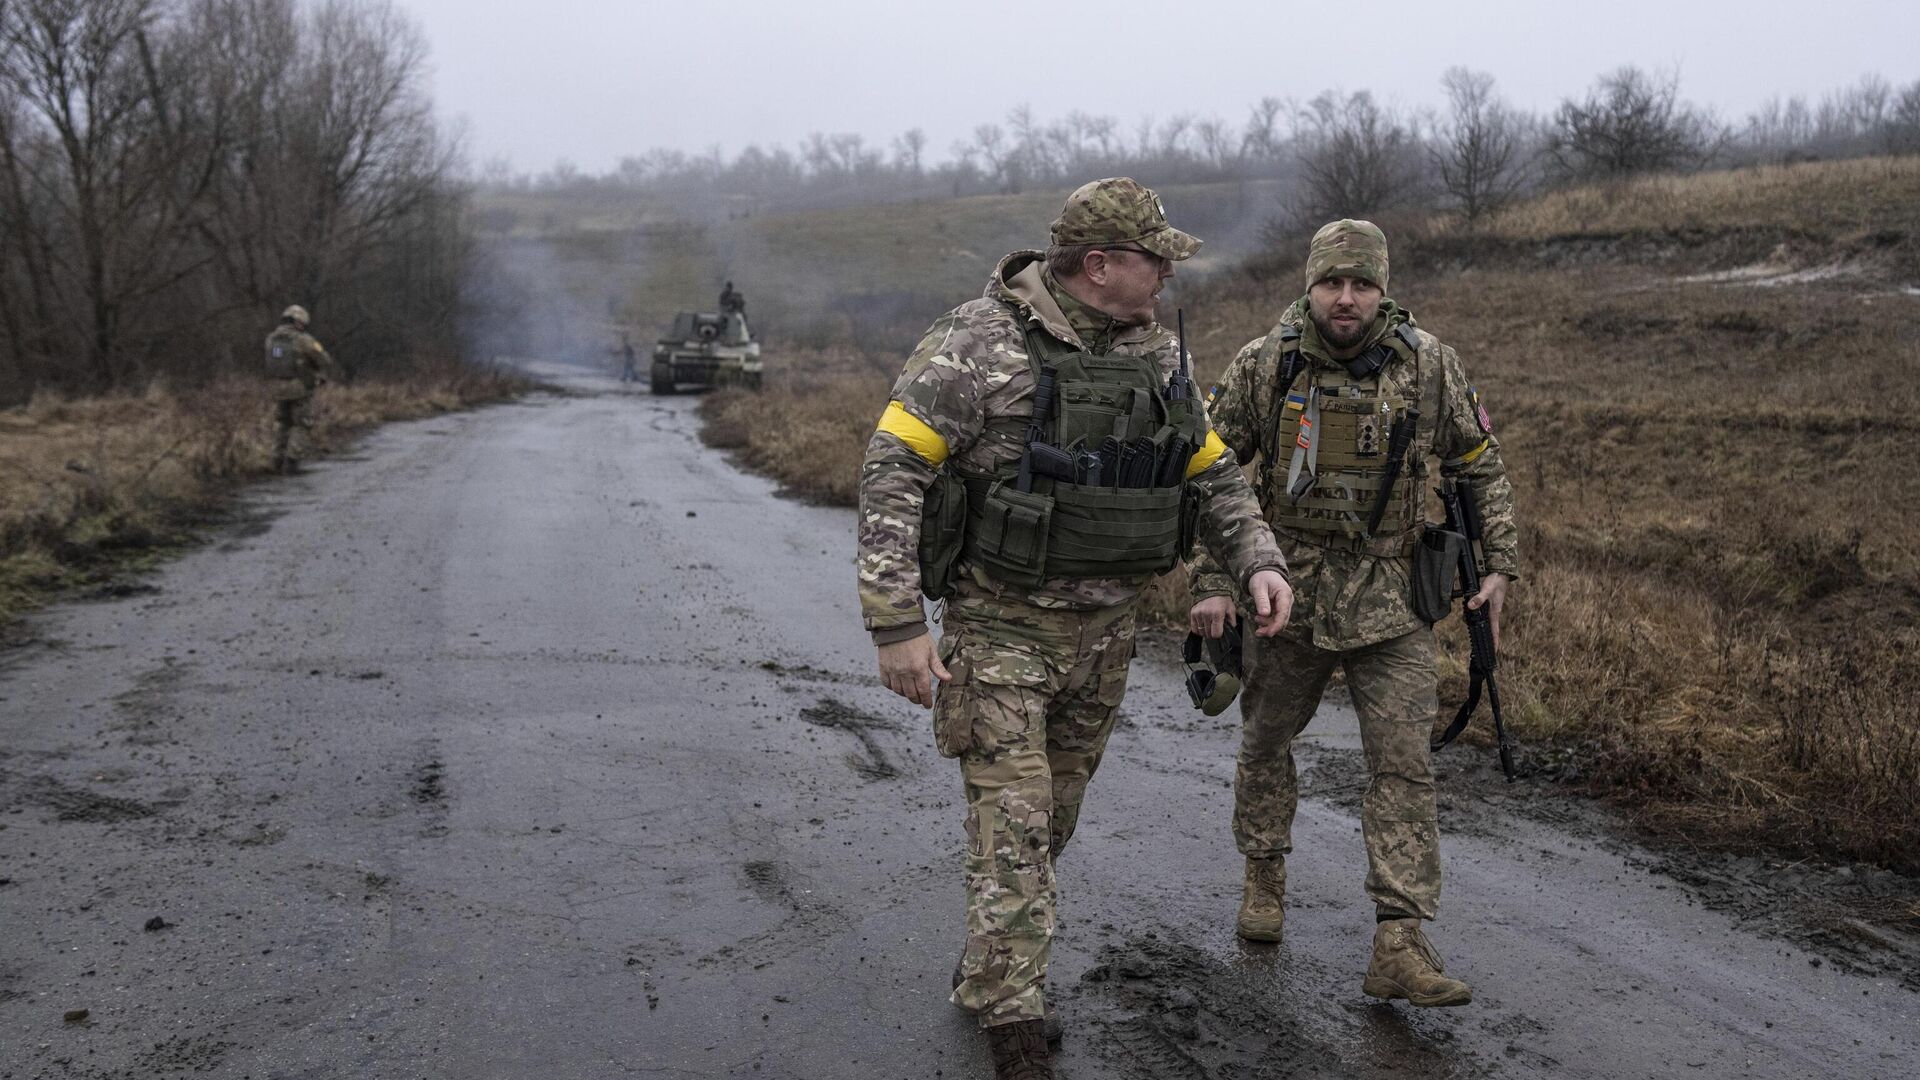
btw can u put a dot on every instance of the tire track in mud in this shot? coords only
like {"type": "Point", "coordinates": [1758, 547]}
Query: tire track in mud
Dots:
{"type": "Point", "coordinates": [872, 762]}
{"type": "Point", "coordinates": [806, 915]}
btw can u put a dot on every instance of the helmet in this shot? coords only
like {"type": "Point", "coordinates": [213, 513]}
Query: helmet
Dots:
{"type": "Point", "coordinates": [295, 314]}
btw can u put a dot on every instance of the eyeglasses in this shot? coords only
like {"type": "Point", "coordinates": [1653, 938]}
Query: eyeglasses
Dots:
{"type": "Point", "coordinates": [1156, 260]}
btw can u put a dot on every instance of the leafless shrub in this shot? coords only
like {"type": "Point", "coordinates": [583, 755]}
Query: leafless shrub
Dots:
{"type": "Point", "coordinates": [1631, 122]}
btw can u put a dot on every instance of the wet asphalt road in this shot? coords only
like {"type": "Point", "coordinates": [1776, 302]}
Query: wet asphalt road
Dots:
{"type": "Point", "coordinates": [538, 741]}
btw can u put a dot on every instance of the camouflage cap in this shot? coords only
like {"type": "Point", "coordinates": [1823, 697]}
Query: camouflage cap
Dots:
{"type": "Point", "coordinates": [1119, 211]}
{"type": "Point", "coordinates": [1348, 248]}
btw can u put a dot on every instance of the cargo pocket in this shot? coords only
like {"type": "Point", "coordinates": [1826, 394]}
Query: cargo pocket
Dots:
{"type": "Point", "coordinates": [952, 710]}
{"type": "Point", "coordinates": [1112, 675]}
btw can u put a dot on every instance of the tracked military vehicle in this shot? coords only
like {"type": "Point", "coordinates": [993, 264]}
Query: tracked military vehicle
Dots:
{"type": "Point", "coordinates": [703, 349]}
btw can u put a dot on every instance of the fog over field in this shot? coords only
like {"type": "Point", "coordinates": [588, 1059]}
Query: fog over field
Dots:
{"type": "Point", "coordinates": [591, 81]}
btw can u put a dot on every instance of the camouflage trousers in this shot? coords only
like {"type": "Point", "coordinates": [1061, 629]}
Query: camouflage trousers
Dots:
{"type": "Point", "coordinates": [292, 429]}
{"type": "Point", "coordinates": [1028, 711]}
{"type": "Point", "coordinates": [1392, 684]}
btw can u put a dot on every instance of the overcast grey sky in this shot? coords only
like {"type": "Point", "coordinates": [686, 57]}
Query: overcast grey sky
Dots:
{"type": "Point", "coordinates": [592, 81]}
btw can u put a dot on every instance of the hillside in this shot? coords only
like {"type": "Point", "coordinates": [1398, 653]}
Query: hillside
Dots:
{"type": "Point", "coordinates": [1707, 391]}
{"type": "Point", "coordinates": [864, 276]}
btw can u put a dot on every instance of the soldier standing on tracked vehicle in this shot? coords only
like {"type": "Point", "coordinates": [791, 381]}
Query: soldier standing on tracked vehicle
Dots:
{"type": "Point", "coordinates": [296, 366]}
{"type": "Point", "coordinates": [1318, 400]}
{"type": "Point", "coordinates": [1036, 467]}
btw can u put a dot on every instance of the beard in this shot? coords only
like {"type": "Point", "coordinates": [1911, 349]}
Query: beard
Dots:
{"type": "Point", "coordinates": [1334, 338]}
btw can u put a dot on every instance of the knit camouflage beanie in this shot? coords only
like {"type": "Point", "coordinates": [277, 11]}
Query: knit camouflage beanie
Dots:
{"type": "Point", "coordinates": [1348, 248]}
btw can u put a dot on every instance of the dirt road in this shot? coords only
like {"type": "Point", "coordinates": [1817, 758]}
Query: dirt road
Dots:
{"type": "Point", "coordinates": [538, 741]}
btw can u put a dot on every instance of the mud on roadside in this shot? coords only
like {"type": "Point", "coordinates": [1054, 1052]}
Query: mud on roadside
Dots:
{"type": "Point", "coordinates": [1863, 919]}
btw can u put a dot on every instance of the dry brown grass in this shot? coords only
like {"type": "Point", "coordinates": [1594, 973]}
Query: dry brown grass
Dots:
{"type": "Point", "coordinates": [809, 428]}
{"type": "Point", "coordinates": [92, 487]}
{"type": "Point", "coordinates": [1829, 198]}
{"type": "Point", "coordinates": [1720, 615]}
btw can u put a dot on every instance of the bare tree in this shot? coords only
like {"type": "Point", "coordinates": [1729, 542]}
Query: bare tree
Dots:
{"type": "Point", "coordinates": [173, 170]}
{"type": "Point", "coordinates": [1479, 152]}
{"type": "Point", "coordinates": [1261, 137]}
{"type": "Point", "coordinates": [1902, 132]}
{"type": "Point", "coordinates": [990, 146]}
{"type": "Point", "coordinates": [1356, 157]}
{"type": "Point", "coordinates": [909, 150]}
{"type": "Point", "coordinates": [1630, 122]}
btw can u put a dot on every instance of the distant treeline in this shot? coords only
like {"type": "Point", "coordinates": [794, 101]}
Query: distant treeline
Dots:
{"type": "Point", "coordinates": [174, 172]}
{"type": "Point", "coordinates": [1345, 152]}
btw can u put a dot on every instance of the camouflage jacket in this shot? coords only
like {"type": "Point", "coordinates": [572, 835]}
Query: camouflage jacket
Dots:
{"type": "Point", "coordinates": [972, 367]}
{"type": "Point", "coordinates": [1346, 599]}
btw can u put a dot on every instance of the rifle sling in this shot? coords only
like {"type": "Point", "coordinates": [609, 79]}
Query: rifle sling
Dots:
{"type": "Point", "coordinates": [1465, 714]}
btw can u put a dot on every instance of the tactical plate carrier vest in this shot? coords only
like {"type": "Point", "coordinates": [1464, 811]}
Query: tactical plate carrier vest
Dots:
{"type": "Point", "coordinates": [1325, 457]}
{"type": "Point", "coordinates": [1062, 528]}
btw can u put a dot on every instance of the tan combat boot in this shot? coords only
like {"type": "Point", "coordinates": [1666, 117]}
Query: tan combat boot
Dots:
{"type": "Point", "coordinates": [1020, 1051]}
{"type": "Point", "coordinates": [1406, 966]}
{"type": "Point", "coordinates": [1262, 914]}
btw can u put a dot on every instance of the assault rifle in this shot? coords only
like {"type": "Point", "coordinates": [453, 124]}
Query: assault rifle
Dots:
{"type": "Point", "coordinates": [1463, 517]}
{"type": "Point", "coordinates": [1173, 468]}
{"type": "Point", "coordinates": [1039, 455]}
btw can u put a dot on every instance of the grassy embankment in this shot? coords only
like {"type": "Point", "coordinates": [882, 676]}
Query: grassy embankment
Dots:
{"type": "Point", "coordinates": [1708, 394]}
{"type": "Point", "coordinates": [93, 488]}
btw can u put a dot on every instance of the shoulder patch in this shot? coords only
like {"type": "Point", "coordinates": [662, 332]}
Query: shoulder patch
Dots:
{"type": "Point", "coordinates": [1479, 411]}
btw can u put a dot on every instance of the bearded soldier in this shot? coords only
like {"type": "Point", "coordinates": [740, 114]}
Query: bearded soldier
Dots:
{"type": "Point", "coordinates": [1034, 469]}
{"type": "Point", "coordinates": [296, 366]}
{"type": "Point", "coordinates": [1317, 400]}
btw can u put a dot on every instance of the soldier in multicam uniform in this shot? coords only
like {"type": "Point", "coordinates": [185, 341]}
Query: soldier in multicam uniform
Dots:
{"type": "Point", "coordinates": [1039, 588]}
{"type": "Point", "coordinates": [1315, 400]}
{"type": "Point", "coordinates": [296, 366]}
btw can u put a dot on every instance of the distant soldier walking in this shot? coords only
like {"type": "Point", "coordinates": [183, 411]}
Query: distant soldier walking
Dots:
{"type": "Point", "coordinates": [1342, 403]}
{"type": "Point", "coordinates": [629, 363]}
{"type": "Point", "coordinates": [1040, 460]}
{"type": "Point", "coordinates": [296, 366]}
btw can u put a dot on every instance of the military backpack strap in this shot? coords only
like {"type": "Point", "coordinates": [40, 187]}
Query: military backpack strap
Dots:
{"type": "Point", "coordinates": [1282, 349]}
{"type": "Point", "coordinates": [1041, 348]}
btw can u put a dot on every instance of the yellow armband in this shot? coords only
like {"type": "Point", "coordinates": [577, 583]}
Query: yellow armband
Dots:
{"type": "Point", "coordinates": [1208, 453]}
{"type": "Point", "coordinates": [1467, 458]}
{"type": "Point", "coordinates": [910, 429]}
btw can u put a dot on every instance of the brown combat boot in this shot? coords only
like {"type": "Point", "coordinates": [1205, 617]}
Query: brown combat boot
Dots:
{"type": "Point", "coordinates": [1405, 965]}
{"type": "Point", "coordinates": [1262, 910]}
{"type": "Point", "coordinates": [1053, 1029]}
{"type": "Point", "coordinates": [1020, 1051]}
